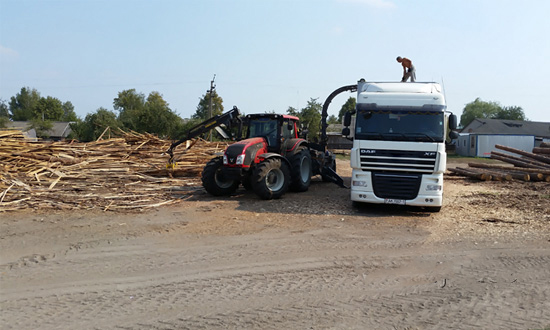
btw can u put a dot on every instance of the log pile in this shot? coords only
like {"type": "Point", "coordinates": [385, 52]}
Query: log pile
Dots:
{"type": "Point", "coordinates": [124, 173]}
{"type": "Point", "coordinates": [526, 166]}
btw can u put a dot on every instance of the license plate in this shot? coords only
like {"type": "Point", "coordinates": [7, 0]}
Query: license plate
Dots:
{"type": "Point", "coordinates": [394, 201]}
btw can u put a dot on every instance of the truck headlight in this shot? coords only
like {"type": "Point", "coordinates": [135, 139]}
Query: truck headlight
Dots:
{"type": "Point", "coordinates": [358, 183]}
{"type": "Point", "coordinates": [240, 159]}
{"type": "Point", "coordinates": [434, 187]}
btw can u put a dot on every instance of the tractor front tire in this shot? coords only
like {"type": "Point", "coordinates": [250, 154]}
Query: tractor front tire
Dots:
{"type": "Point", "coordinates": [300, 170]}
{"type": "Point", "coordinates": [213, 180]}
{"type": "Point", "coordinates": [271, 178]}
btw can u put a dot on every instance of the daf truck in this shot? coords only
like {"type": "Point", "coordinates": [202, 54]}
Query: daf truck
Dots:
{"type": "Point", "coordinates": [399, 132]}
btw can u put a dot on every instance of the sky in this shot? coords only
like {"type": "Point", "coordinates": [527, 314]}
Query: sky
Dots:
{"type": "Point", "coordinates": [269, 55]}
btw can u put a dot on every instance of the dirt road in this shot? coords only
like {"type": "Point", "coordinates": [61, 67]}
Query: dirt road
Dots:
{"type": "Point", "coordinates": [306, 261]}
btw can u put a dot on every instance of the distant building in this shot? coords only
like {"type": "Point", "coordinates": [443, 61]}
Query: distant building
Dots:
{"type": "Point", "coordinates": [479, 137]}
{"type": "Point", "coordinates": [59, 131]}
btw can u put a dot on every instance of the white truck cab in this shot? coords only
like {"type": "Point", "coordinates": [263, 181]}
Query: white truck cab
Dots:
{"type": "Point", "coordinates": [398, 154]}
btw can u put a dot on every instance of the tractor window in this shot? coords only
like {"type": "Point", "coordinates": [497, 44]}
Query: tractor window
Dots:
{"type": "Point", "coordinates": [288, 133]}
{"type": "Point", "coordinates": [264, 127]}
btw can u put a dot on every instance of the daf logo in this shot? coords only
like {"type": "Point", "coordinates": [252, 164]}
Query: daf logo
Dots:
{"type": "Point", "coordinates": [368, 151]}
{"type": "Point", "coordinates": [429, 154]}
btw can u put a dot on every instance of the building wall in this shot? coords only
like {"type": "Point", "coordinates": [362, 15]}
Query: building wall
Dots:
{"type": "Point", "coordinates": [481, 145]}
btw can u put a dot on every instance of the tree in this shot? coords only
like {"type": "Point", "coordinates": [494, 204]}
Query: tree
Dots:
{"type": "Point", "coordinates": [511, 113]}
{"type": "Point", "coordinates": [158, 118]}
{"type": "Point", "coordinates": [4, 113]}
{"type": "Point", "coordinates": [68, 112]}
{"type": "Point", "coordinates": [349, 106]}
{"type": "Point", "coordinates": [310, 116]}
{"type": "Point", "coordinates": [202, 111]}
{"type": "Point", "coordinates": [491, 110]}
{"type": "Point", "coordinates": [130, 104]}
{"type": "Point", "coordinates": [95, 124]}
{"type": "Point", "coordinates": [48, 108]}
{"type": "Point", "coordinates": [22, 105]}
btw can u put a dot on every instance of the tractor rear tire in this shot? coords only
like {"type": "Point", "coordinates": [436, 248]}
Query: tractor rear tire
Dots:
{"type": "Point", "coordinates": [213, 180]}
{"type": "Point", "coordinates": [271, 178]}
{"type": "Point", "coordinates": [300, 170]}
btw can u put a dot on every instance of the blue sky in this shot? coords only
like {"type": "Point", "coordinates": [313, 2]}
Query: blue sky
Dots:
{"type": "Point", "coordinates": [268, 55]}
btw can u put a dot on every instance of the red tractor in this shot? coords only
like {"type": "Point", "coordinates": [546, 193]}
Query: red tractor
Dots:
{"type": "Point", "coordinates": [271, 158]}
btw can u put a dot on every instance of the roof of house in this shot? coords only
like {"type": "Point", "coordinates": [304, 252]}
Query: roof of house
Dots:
{"type": "Point", "coordinates": [508, 127]}
{"type": "Point", "coordinates": [59, 128]}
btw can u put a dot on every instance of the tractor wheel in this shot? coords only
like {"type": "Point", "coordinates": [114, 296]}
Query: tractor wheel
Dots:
{"type": "Point", "coordinates": [300, 170]}
{"type": "Point", "coordinates": [271, 178]}
{"type": "Point", "coordinates": [332, 165]}
{"type": "Point", "coordinates": [213, 180]}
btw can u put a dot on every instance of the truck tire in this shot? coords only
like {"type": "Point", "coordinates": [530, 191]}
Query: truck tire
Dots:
{"type": "Point", "coordinates": [213, 180]}
{"type": "Point", "coordinates": [300, 171]}
{"type": "Point", "coordinates": [271, 178]}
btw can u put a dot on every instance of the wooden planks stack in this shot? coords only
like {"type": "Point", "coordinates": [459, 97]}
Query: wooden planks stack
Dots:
{"type": "Point", "coordinates": [526, 166]}
{"type": "Point", "coordinates": [124, 173]}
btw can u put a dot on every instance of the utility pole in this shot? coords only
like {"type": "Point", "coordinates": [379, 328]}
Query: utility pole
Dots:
{"type": "Point", "coordinates": [211, 91]}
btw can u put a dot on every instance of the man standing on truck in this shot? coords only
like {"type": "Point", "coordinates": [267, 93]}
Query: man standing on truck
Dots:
{"type": "Point", "coordinates": [408, 69]}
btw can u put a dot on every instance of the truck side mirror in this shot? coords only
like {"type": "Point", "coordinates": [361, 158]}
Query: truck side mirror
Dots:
{"type": "Point", "coordinates": [347, 119]}
{"type": "Point", "coordinates": [453, 135]}
{"type": "Point", "coordinates": [452, 122]}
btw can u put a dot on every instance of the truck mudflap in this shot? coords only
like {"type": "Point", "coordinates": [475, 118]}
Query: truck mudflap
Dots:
{"type": "Point", "coordinates": [330, 175]}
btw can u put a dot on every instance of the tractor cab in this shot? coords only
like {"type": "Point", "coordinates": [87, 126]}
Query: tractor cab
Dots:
{"type": "Point", "coordinates": [276, 129]}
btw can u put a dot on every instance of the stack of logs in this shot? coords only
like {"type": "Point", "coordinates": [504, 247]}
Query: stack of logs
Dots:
{"type": "Point", "coordinates": [124, 173]}
{"type": "Point", "coordinates": [527, 166]}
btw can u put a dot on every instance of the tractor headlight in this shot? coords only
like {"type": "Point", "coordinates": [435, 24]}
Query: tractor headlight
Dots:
{"type": "Point", "coordinates": [225, 162]}
{"type": "Point", "coordinates": [240, 159]}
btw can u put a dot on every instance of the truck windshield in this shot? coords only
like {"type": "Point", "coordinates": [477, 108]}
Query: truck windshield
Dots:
{"type": "Point", "coordinates": [400, 125]}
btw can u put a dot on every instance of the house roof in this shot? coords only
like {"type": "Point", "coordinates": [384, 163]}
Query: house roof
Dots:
{"type": "Point", "coordinates": [59, 128]}
{"type": "Point", "coordinates": [508, 127]}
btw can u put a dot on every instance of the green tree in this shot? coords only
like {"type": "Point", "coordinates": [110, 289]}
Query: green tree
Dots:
{"type": "Point", "coordinates": [310, 117]}
{"type": "Point", "coordinates": [478, 109]}
{"type": "Point", "coordinates": [491, 110]}
{"type": "Point", "coordinates": [48, 108]}
{"type": "Point", "coordinates": [4, 113]}
{"type": "Point", "coordinates": [204, 103]}
{"type": "Point", "coordinates": [511, 113]}
{"type": "Point", "coordinates": [130, 105]}
{"type": "Point", "coordinates": [158, 118]}
{"type": "Point", "coordinates": [22, 105]}
{"type": "Point", "coordinates": [42, 127]}
{"type": "Point", "coordinates": [332, 119]}
{"type": "Point", "coordinates": [348, 106]}
{"type": "Point", "coordinates": [91, 128]}
{"type": "Point", "coordinates": [68, 112]}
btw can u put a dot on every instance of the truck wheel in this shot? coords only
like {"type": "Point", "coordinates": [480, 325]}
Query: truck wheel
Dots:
{"type": "Point", "coordinates": [300, 170]}
{"type": "Point", "coordinates": [271, 178]}
{"type": "Point", "coordinates": [213, 180]}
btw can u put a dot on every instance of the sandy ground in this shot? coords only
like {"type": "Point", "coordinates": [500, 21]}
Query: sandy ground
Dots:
{"type": "Point", "coordinates": [307, 261]}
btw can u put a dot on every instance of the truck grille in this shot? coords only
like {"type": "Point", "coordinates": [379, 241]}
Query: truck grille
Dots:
{"type": "Point", "coordinates": [397, 186]}
{"type": "Point", "coordinates": [398, 161]}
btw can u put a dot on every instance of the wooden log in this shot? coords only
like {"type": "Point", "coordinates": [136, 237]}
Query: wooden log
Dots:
{"type": "Point", "coordinates": [530, 170]}
{"type": "Point", "coordinates": [471, 173]}
{"type": "Point", "coordinates": [517, 161]}
{"type": "Point", "coordinates": [540, 158]}
{"type": "Point", "coordinates": [545, 145]}
{"type": "Point", "coordinates": [539, 150]}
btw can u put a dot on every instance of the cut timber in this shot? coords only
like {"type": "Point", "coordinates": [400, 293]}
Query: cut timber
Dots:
{"type": "Point", "coordinates": [471, 173]}
{"type": "Point", "coordinates": [539, 150]}
{"type": "Point", "coordinates": [540, 158]}
{"type": "Point", "coordinates": [518, 161]}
